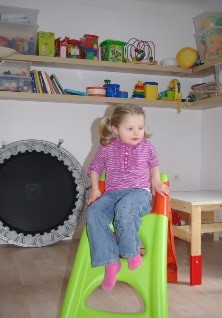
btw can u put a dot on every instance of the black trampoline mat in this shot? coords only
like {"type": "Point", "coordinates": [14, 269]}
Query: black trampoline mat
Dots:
{"type": "Point", "coordinates": [37, 192]}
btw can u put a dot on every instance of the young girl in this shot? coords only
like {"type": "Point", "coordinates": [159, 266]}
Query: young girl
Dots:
{"type": "Point", "coordinates": [132, 173]}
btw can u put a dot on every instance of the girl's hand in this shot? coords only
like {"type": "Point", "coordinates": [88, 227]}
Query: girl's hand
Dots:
{"type": "Point", "coordinates": [160, 187]}
{"type": "Point", "coordinates": [94, 195]}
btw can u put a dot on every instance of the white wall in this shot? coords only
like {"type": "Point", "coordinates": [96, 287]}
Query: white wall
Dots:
{"type": "Point", "coordinates": [167, 23]}
{"type": "Point", "coordinates": [211, 176]}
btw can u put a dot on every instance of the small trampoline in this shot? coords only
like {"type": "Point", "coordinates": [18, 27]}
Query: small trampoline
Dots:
{"type": "Point", "coordinates": [42, 193]}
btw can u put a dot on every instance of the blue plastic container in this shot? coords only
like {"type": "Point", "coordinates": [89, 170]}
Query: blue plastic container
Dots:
{"type": "Point", "coordinates": [112, 90]}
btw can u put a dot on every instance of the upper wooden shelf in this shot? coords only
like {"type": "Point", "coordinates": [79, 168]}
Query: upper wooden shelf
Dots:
{"type": "Point", "coordinates": [142, 67]}
{"type": "Point", "coordinates": [205, 69]}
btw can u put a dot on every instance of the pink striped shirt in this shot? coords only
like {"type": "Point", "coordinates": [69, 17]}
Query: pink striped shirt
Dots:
{"type": "Point", "coordinates": [126, 166]}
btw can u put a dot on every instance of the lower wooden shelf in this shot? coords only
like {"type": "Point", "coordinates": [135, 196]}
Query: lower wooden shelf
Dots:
{"type": "Point", "coordinates": [207, 103]}
{"type": "Point", "coordinates": [184, 232]}
{"type": "Point", "coordinates": [5, 95]}
{"type": "Point", "coordinates": [202, 104]}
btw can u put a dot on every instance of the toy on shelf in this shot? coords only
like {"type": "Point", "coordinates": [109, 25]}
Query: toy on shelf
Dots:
{"type": "Point", "coordinates": [173, 91]}
{"type": "Point", "coordinates": [73, 49]}
{"type": "Point", "coordinates": [46, 43]}
{"type": "Point", "coordinates": [207, 20]}
{"type": "Point", "coordinates": [89, 47]}
{"type": "Point", "coordinates": [139, 50]}
{"type": "Point", "coordinates": [60, 47]}
{"type": "Point", "coordinates": [106, 82]}
{"type": "Point", "coordinates": [151, 90]}
{"type": "Point", "coordinates": [99, 91]}
{"type": "Point", "coordinates": [15, 83]}
{"type": "Point", "coordinates": [187, 57]}
{"type": "Point", "coordinates": [21, 45]}
{"type": "Point", "coordinates": [123, 94]}
{"type": "Point", "coordinates": [112, 50]}
{"type": "Point", "coordinates": [203, 90]}
{"type": "Point", "coordinates": [138, 91]}
{"type": "Point", "coordinates": [113, 90]}
{"type": "Point", "coordinates": [174, 85]}
{"type": "Point", "coordinates": [209, 43]}
{"type": "Point", "coordinates": [166, 95]}
{"type": "Point", "coordinates": [68, 48]}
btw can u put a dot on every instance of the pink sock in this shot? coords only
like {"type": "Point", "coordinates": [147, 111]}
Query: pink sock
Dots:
{"type": "Point", "coordinates": [110, 276]}
{"type": "Point", "coordinates": [135, 262]}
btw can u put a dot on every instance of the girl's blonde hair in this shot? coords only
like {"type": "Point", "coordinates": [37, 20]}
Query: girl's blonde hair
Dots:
{"type": "Point", "coordinates": [120, 111]}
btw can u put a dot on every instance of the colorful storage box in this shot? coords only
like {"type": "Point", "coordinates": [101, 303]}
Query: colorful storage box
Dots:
{"type": "Point", "coordinates": [67, 47]}
{"type": "Point", "coordinates": [19, 36]}
{"type": "Point", "coordinates": [206, 20]}
{"type": "Point", "coordinates": [112, 50]}
{"type": "Point", "coordinates": [18, 15]}
{"type": "Point", "coordinates": [15, 83]}
{"type": "Point", "coordinates": [205, 90]}
{"type": "Point", "coordinates": [73, 49]}
{"type": "Point", "coordinates": [209, 43]}
{"type": "Point", "coordinates": [46, 43]}
{"type": "Point", "coordinates": [90, 47]}
{"type": "Point", "coordinates": [15, 68]}
{"type": "Point", "coordinates": [218, 73]}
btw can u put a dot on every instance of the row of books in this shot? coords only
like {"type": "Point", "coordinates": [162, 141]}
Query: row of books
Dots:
{"type": "Point", "coordinates": [42, 82]}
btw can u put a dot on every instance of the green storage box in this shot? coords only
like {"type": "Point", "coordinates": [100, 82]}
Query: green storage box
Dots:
{"type": "Point", "coordinates": [46, 43]}
{"type": "Point", "coordinates": [112, 50]}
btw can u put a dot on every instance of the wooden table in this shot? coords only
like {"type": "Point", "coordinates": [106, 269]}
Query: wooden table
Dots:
{"type": "Point", "coordinates": [194, 203]}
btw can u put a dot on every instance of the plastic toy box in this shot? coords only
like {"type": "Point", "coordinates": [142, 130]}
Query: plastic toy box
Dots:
{"type": "Point", "coordinates": [18, 15]}
{"type": "Point", "coordinates": [15, 68]}
{"type": "Point", "coordinates": [206, 20]}
{"type": "Point", "coordinates": [15, 83]}
{"type": "Point", "coordinates": [112, 50]}
{"type": "Point", "coordinates": [218, 77]}
{"type": "Point", "coordinates": [73, 48]}
{"type": "Point", "coordinates": [46, 43]}
{"type": "Point", "coordinates": [205, 90]}
{"type": "Point", "coordinates": [67, 47]}
{"type": "Point", "coordinates": [19, 36]}
{"type": "Point", "coordinates": [209, 43]}
{"type": "Point", "coordinates": [89, 47]}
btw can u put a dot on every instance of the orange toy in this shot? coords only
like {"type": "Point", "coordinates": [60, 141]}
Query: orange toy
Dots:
{"type": "Point", "coordinates": [162, 205]}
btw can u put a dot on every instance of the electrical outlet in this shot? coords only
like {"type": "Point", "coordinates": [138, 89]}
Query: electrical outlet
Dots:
{"type": "Point", "coordinates": [176, 177]}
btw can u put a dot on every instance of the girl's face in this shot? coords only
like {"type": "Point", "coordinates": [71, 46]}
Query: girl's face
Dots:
{"type": "Point", "coordinates": [131, 130]}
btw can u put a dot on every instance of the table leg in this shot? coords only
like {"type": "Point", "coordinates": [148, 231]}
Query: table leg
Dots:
{"type": "Point", "coordinates": [216, 219]}
{"type": "Point", "coordinates": [196, 270]}
{"type": "Point", "coordinates": [196, 257]}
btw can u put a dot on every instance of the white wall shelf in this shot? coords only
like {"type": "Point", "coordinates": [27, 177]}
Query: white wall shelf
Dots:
{"type": "Point", "coordinates": [59, 98]}
{"type": "Point", "coordinates": [140, 68]}
{"type": "Point", "coordinates": [205, 69]}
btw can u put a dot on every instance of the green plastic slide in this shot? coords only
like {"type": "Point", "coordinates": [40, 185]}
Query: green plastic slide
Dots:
{"type": "Point", "coordinates": [149, 280]}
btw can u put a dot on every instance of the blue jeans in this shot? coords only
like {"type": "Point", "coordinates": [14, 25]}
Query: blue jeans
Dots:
{"type": "Point", "coordinates": [123, 208]}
